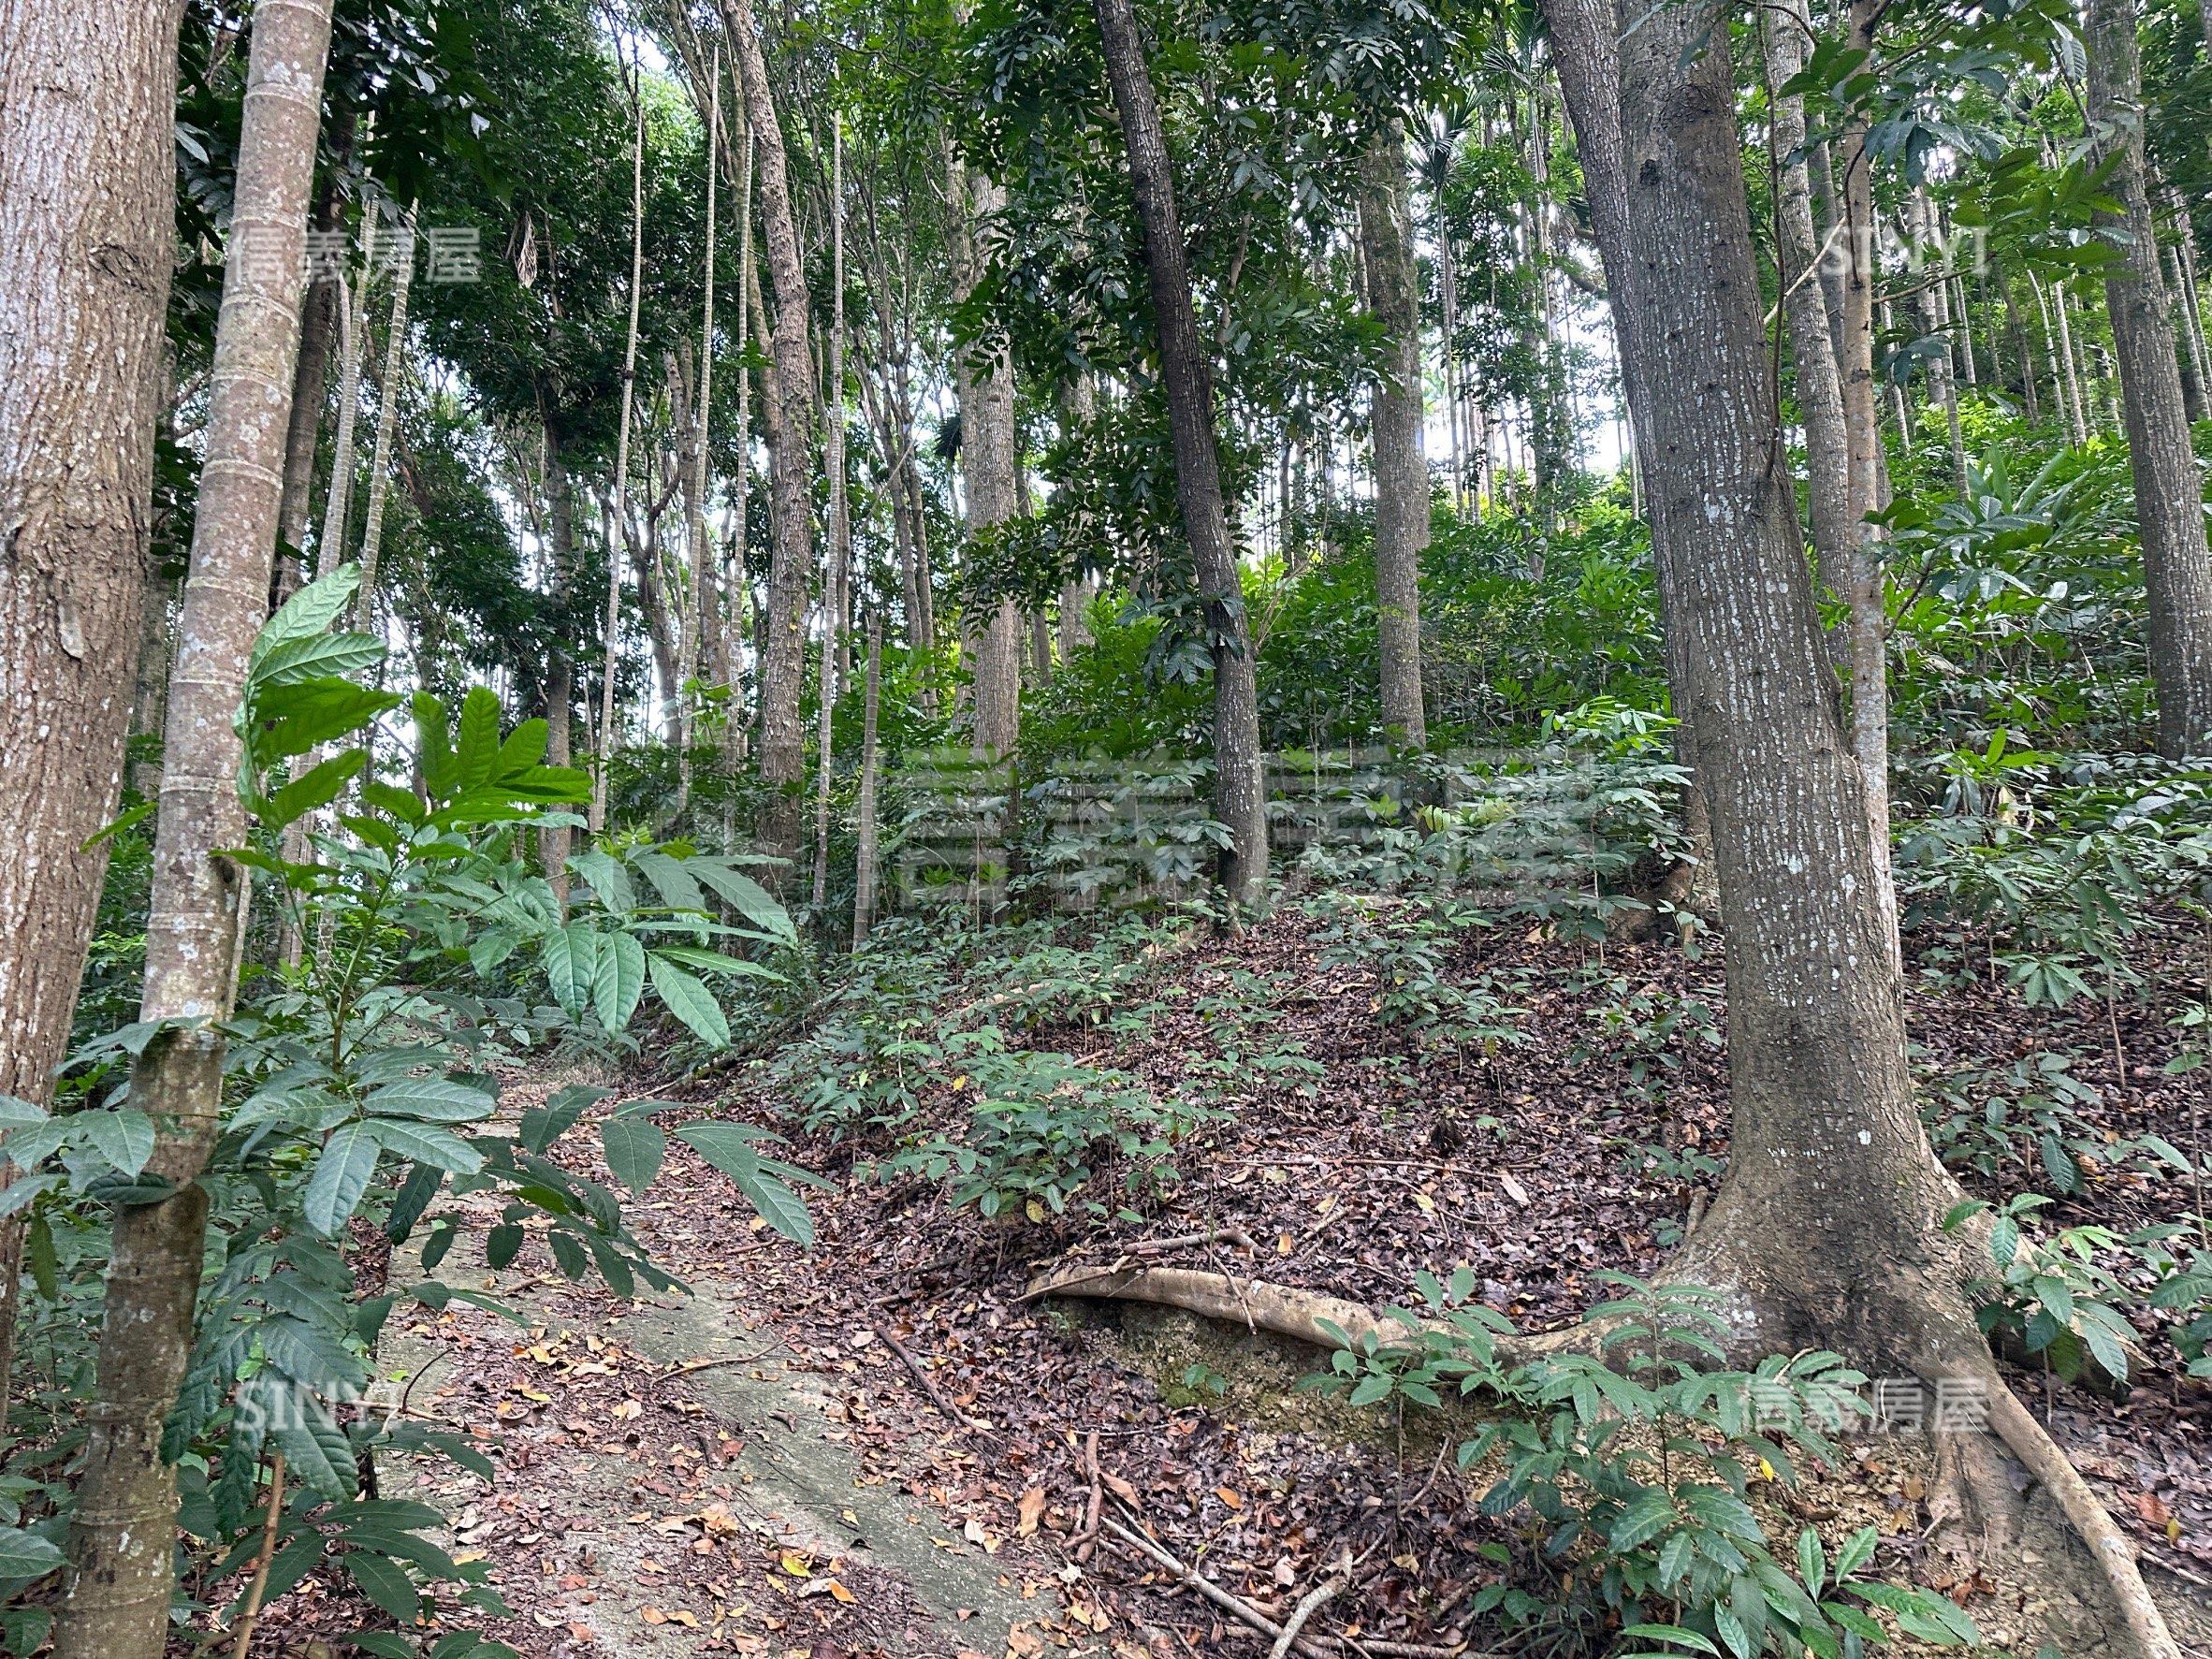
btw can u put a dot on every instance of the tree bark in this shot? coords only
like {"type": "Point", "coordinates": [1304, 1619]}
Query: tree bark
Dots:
{"type": "Point", "coordinates": [603, 758]}
{"type": "Point", "coordinates": [740, 583]}
{"type": "Point", "coordinates": [122, 1535]}
{"type": "Point", "coordinates": [864, 879]}
{"type": "Point", "coordinates": [318, 330]}
{"type": "Point", "coordinates": [387, 411]}
{"type": "Point", "coordinates": [560, 673]}
{"type": "Point", "coordinates": [1868, 622]}
{"type": "Point", "coordinates": [2169, 487]}
{"type": "Point", "coordinates": [1240, 791]}
{"type": "Point", "coordinates": [988, 459]}
{"type": "Point", "coordinates": [783, 754]}
{"type": "Point", "coordinates": [701, 611]}
{"type": "Point", "coordinates": [1401, 473]}
{"type": "Point", "coordinates": [836, 663]}
{"type": "Point", "coordinates": [87, 171]}
{"type": "Point", "coordinates": [1787, 31]}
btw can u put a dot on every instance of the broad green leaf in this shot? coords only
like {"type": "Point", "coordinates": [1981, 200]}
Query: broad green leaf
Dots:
{"type": "Point", "coordinates": [716, 962]}
{"type": "Point", "coordinates": [477, 752]}
{"type": "Point", "coordinates": [308, 612]}
{"type": "Point", "coordinates": [383, 1583]}
{"type": "Point", "coordinates": [618, 981]}
{"type": "Point", "coordinates": [315, 789]}
{"type": "Point", "coordinates": [635, 1148]}
{"type": "Point", "coordinates": [326, 656]}
{"type": "Point", "coordinates": [524, 749]}
{"type": "Point", "coordinates": [435, 1147]}
{"type": "Point", "coordinates": [745, 895]}
{"type": "Point", "coordinates": [672, 879]}
{"type": "Point", "coordinates": [729, 1148]}
{"type": "Point", "coordinates": [689, 1002]}
{"type": "Point", "coordinates": [341, 1175]}
{"type": "Point", "coordinates": [308, 712]}
{"type": "Point", "coordinates": [124, 1137]}
{"type": "Point", "coordinates": [432, 1099]}
{"type": "Point", "coordinates": [25, 1554]}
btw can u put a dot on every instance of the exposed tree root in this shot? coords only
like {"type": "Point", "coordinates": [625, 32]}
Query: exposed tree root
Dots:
{"type": "Point", "coordinates": [2016, 1425]}
{"type": "Point", "coordinates": [1304, 1316]}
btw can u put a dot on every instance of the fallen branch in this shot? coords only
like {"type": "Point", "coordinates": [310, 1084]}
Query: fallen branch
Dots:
{"type": "Point", "coordinates": [951, 1412]}
{"type": "Point", "coordinates": [1237, 1608]}
{"type": "Point", "coordinates": [1087, 1539]}
{"type": "Point", "coordinates": [1307, 1605]}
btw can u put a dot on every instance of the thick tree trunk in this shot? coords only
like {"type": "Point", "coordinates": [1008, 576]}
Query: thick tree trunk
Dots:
{"type": "Point", "coordinates": [122, 1535]}
{"type": "Point", "coordinates": [1805, 305]}
{"type": "Point", "coordinates": [1828, 1229]}
{"type": "Point", "coordinates": [988, 460]}
{"type": "Point", "coordinates": [2169, 486]}
{"type": "Point", "coordinates": [86, 189]}
{"type": "Point", "coordinates": [86, 192]}
{"type": "Point", "coordinates": [1240, 785]}
{"type": "Point", "coordinates": [783, 752]}
{"type": "Point", "coordinates": [1401, 473]}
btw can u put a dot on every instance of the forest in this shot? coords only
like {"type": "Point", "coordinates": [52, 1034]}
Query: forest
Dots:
{"type": "Point", "coordinates": [1105, 829]}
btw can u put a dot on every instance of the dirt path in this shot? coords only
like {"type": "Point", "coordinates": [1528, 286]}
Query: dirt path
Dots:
{"type": "Point", "coordinates": [674, 1479]}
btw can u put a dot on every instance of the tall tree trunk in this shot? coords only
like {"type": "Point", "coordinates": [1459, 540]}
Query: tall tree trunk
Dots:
{"type": "Point", "coordinates": [740, 583]}
{"type": "Point", "coordinates": [123, 1532]}
{"type": "Point", "coordinates": [387, 411]}
{"type": "Point", "coordinates": [701, 611]}
{"type": "Point", "coordinates": [2169, 487]}
{"type": "Point", "coordinates": [783, 752]}
{"type": "Point", "coordinates": [836, 663]}
{"type": "Point", "coordinates": [1935, 310]}
{"type": "Point", "coordinates": [1240, 785]}
{"type": "Point", "coordinates": [1865, 595]}
{"type": "Point", "coordinates": [1827, 1230]}
{"type": "Point", "coordinates": [988, 459]}
{"type": "Point", "coordinates": [318, 329]}
{"type": "Point", "coordinates": [1401, 473]}
{"type": "Point", "coordinates": [864, 877]}
{"type": "Point", "coordinates": [352, 340]}
{"type": "Point", "coordinates": [87, 171]}
{"type": "Point", "coordinates": [560, 673]}
{"type": "Point", "coordinates": [603, 758]}
{"type": "Point", "coordinates": [2189, 347]}
{"type": "Point", "coordinates": [1787, 32]}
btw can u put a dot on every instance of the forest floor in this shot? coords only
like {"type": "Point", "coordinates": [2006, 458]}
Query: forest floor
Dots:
{"type": "Point", "coordinates": [879, 1447]}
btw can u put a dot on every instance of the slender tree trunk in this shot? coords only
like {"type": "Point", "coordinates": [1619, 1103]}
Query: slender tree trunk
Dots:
{"type": "Point", "coordinates": [836, 649]}
{"type": "Point", "coordinates": [1935, 310]}
{"type": "Point", "coordinates": [1239, 790]}
{"type": "Point", "coordinates": [352, 331]}
{"type": "Point", "coordinates": [1867, 622]}
{"type": "Point", "coordinates": [87, 96]}
{"type": "Point", "coordinates": [123, 1534]}
{"type": "Point", "coordinates": [863, 888]}
{"type": "Point", "coordinates": [2017, 331]}
{"type": "Point", "coordinates": [2168, 486]}
{"type": "Point", "coordinates": [783, 753]}
{"type": "Point", "coordinates": [740, 584]}
{"type": "Point", "coordinates": [2185, 348]}
{"type": "Point", "coordinates": [701, 610]}
{"type": "Point", "coordinates": [1787, 31]}
{"type": "Point", "coordinates": [560, 673]}
{"type": "Point", "coordinates": [612, 639]}
{"type": "Point", "coordinates": [988, 461]}
{"type": "Point", "coordinates": [388, 410]}
{"type": "Point", "coordinates": [1401, 473]}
